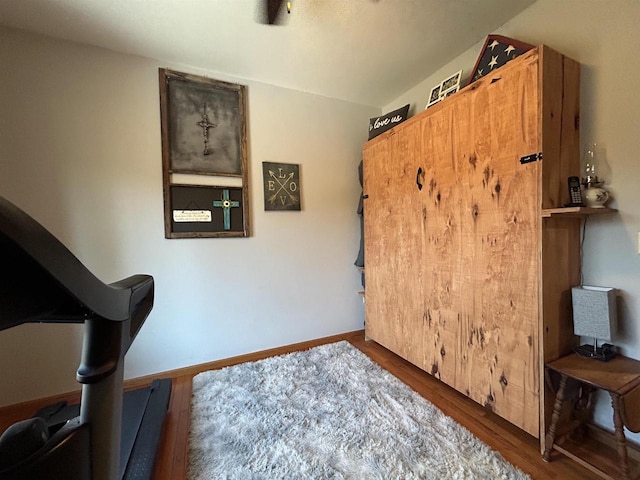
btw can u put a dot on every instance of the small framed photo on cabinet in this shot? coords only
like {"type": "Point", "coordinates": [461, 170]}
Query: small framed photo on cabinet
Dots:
{"type": "Point", "coordinates": [450, 83]}
{"type": "Point", "coordinates": [434, 96]}
{"type": "Point", "coordinates": [448, 86]}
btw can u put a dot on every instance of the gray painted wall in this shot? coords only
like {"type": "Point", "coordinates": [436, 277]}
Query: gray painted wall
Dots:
{"type": "Point", "coordinates": [80, 151]}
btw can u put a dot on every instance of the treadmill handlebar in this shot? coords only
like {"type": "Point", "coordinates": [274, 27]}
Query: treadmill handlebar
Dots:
{"type": "Point", "coordinates": [32, 256]}
{"type": "Point", "coordinates": [106, 342]}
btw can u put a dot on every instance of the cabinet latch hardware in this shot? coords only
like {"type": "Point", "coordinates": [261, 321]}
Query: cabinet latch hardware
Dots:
{"type": "Point", "coordinates": [531, 158]}
{"type": "Point", "coordinates": [419, 178]}
{"type": "Point", "coordinates": [365, 197]}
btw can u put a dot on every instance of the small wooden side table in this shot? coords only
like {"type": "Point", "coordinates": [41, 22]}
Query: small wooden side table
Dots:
{"type": "Point", "coordinates": [620, 377]}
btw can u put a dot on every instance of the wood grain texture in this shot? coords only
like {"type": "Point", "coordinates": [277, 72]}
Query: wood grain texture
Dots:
{"type": "Point", "coordinates": [560, 125]}
{"type": "Point", "coordinates": [619, 375]}
{"type": "Point", "coordinates": [476, 238]}
{"type": "Point", "coordinates": [631, 409]}
{"type": "Point", "coordinates": [443, 275]}
{"type": "Point", "coordinates": [578, 212]}
{"type": "Point", "coordinates": [493, 279]}
{"type": "Point", "coordinates": [560, 271]}
{"type": "Point", "coordinates": [560, 243]}
{"type": "Point", "coordinates": [175, 430]}
{"type": "Point", "coordinates": [394, 246]}
{"type": "Point", "coordinates": [504, 231]}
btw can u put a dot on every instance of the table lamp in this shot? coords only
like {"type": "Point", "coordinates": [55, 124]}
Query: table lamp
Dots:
{"type": "Point", "coordinates": [595, 315]}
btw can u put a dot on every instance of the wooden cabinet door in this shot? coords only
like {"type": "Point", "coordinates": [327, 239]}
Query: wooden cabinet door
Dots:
{"type": "Point", "coordinates": [445, 144]}
{"type": "Point", "coordinates": [481, 244]}
{"type": "Point", "coordinates": [393, 241]}
{"type": "Point", "coordinates": [501, 225]}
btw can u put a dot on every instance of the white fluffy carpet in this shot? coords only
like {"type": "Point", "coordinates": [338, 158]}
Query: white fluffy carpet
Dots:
{"type": "Point", "coordinates": [327, 413]}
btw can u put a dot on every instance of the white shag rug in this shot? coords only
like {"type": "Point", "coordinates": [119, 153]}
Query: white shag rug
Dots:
{"type": "Point", "coordinates": [327, 413]}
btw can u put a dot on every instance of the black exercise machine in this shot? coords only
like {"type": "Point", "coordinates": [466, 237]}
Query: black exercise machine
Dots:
{"type": "Point", "coordinates": [109, 436]}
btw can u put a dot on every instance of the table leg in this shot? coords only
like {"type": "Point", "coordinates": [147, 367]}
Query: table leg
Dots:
{"type": "Point", "coordinates": [621, 441]}
{"type": "Point", "coordinates": [557, 408]}
{"type": "Point", "coordinates": [583, 409]}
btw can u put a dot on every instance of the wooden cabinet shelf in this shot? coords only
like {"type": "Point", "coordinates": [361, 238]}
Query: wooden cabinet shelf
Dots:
{"type": "Point", "coordinates": [575, 211]}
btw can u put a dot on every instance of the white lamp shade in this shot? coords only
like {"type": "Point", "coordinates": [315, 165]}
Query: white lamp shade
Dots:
{"type": "Point", "coordinates": [594, 312]}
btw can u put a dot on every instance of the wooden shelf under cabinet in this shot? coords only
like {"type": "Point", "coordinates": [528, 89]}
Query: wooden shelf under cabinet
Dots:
{"type": "Point", "coordinates": [575, 211]}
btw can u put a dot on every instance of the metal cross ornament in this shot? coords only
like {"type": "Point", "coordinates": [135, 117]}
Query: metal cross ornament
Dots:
{"type": "Point", "coordinates": [205, 124]}
{"type": "Point", "coordinates": [226, 204]}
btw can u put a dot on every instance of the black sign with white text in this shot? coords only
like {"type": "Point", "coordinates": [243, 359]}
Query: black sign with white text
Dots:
{"type": "Point", "coordinates": [378, 125]}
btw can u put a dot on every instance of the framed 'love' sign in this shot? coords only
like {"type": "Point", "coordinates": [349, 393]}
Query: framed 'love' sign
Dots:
{"type": "Point", "coordinates": [281, 186]}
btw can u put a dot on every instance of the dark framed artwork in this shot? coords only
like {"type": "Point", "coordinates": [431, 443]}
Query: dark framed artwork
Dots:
{"type": "Point", "coordinates": [203, 128]}
{"type": "Point", "coordinates": [497, 51]}
{"type": "Point", "coordinates": [281, 186]}
{"type": "Point", "coordinates": [204, 211]}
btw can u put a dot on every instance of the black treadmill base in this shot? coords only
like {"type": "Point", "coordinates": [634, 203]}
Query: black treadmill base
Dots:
{"type": "Point", "coordinates": [143, 413]}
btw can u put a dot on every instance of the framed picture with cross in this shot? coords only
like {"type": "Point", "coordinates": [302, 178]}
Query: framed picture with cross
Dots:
{"type": "Point", "coordinates": [203, 211]}
{"type": "Point", "coordinates": [204, 128]}
{"type": "Point", "coordinates": [204, 145]}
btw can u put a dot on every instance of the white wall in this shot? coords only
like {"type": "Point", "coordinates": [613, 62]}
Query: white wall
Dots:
{"type": "Point", "coordinates": [603, 37]}
{"type": "Point", "coordinates": [80, 151]}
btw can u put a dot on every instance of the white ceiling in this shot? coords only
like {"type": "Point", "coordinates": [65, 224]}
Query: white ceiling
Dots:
{"type": "Point", "coordinates": [364, 51]}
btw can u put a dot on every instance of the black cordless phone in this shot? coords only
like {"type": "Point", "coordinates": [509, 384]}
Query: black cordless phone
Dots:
{"type": "Point", "coordinates": [575, 197]}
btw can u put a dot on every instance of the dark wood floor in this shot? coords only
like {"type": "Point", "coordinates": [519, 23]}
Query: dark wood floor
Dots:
{"type": "Point", "coordinates": [516, 446]}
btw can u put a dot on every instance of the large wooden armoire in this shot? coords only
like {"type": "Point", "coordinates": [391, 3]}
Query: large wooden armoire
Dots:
{"type": "Point", "coordinates": [469, 255]}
